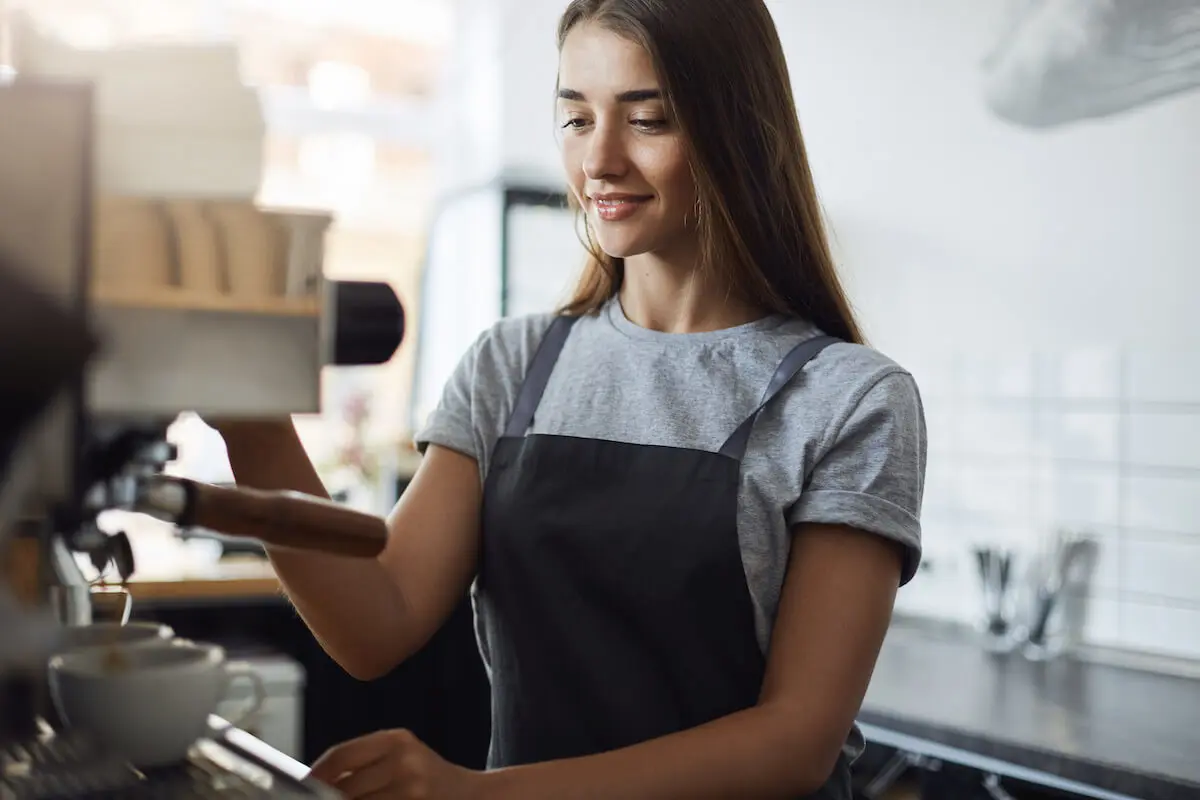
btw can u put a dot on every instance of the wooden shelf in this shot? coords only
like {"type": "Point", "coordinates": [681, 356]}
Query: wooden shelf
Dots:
{"type": "Point", "coordinates": [170, 298]}
{"type": "Point", "coordinates": [190, 589]}
{"type": "Point", "coordinates": [225, 580]}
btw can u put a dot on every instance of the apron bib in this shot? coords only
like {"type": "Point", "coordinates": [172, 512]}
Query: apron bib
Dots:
{"type": "Point", "coordinates": [611, 583]}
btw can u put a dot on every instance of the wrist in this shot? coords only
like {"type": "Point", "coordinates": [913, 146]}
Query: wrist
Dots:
{"type": "Point", "coordinates": [254, 434]}
{"type": "Point", "coordinates": [495, 785]}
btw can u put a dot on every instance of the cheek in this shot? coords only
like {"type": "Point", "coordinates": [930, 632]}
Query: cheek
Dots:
{"type": "Point", "coordinates": [572, 162]}
{"type": "Point", "coordinates": [673, 178]}
{"type": "Point", "coordinates": [683, 187]}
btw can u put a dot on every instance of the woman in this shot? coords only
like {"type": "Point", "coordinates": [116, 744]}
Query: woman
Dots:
{"type": "Point", "coordinates": [688, 499]}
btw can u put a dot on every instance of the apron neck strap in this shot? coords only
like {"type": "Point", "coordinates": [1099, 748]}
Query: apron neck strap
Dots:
{"type": "Point", "coordinates": [538, 376]}
{"type": "Point", "coordinates": [793, 362]}
{"type": "Point", "coordinates": [552, 343]}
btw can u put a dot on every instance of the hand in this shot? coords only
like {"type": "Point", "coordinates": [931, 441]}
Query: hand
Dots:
{"type": "Point", "coordinates": [394, 765]}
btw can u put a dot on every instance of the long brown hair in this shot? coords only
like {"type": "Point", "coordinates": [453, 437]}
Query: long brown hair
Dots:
{"type": "Point", "coordinates": [725, 82]}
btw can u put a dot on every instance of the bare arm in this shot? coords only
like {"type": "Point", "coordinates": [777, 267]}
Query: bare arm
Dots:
{"type": "Point", "coordinates": [833, 615]}
{"type": "Point", "coordinates": [371, 614]}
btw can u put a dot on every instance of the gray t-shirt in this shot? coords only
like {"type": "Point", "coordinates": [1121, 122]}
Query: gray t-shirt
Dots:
{"type": "Point", "coordinates": [844, 442]}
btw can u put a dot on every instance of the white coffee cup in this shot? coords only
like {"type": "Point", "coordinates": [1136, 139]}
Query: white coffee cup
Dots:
{"type": "Point", "coordinates": [150, 703]}
{"type": "Point", "coordinates": [109, 634]}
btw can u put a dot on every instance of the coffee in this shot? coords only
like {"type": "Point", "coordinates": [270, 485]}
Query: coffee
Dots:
{"type": "Point", "coordinates": [112, 634]}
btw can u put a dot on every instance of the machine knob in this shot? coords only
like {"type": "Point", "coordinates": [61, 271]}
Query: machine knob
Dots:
{"type": "Point", "coordinates": [369, 323]}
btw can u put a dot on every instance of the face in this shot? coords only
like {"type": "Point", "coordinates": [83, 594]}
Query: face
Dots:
{"type": "Point", "coordinates": [625, 159]}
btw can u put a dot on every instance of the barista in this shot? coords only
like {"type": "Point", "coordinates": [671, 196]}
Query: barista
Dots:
{"type": "Point", "coordinates": [683, 503]}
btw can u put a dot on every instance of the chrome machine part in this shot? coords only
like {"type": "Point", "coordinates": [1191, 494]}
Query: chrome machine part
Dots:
{"type": "Point", "coordinates": [100, 432]}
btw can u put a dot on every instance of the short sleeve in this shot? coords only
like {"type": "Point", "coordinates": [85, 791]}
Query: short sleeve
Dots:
{"type": "Point", "coordinates": [872, 474]}
{"type": "Point", "coordinates": [452, 424]}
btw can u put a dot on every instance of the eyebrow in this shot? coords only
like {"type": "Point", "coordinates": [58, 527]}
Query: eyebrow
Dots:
{"type": "Point", "coordinates": [632, 96]}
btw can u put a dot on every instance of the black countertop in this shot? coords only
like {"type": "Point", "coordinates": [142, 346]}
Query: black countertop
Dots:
{"type": "Point", "coordinates": [1127, 731]}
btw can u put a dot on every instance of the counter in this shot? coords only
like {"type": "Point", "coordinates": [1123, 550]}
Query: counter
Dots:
{"type": "Point", "coordinates": [223, 761]}
{"type": "Point", "coordinates": [250, 578]}
{"type": "Point", "coordinates": [286, 773]}
{"type": "Point", "coordinates": [1098, 731]}
{"type": "Point", "coordinates": [169, 569]}
{"type": "Point", "coordinates": [1105, 732]}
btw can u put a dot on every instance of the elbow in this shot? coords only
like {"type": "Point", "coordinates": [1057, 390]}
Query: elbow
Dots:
{"type": "Point", "coordinates": [373, 660]}
{"type": "Point", "coordinates": [368, 665]}
{"type": "Point", "coordinates": [373, 655]}
{"type": "Point", "coordinates": [805, 761]}
{"type": "Point", "coordinates": [365, 671]}
{"type": "Point", "coordinates": [814, 771]}
{"type": "Point", "coordinates": [809, 781]}
{"type": "Point", "coordinates": [808, 775]}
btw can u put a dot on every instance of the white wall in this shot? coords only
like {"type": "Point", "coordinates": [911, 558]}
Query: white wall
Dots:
{"type": "Point", "coordinates": [471, 103]}
{"type": "Point", "coordinates": [1041, 284]}
{"type": "Point", "coordinates": [948, 218]}
{"type": "Point", "coordinates": [942, 215]}
{"type": "Point", "coordinates": [497, 99]}
{"type": "Point", "coordinates": [530, 71]}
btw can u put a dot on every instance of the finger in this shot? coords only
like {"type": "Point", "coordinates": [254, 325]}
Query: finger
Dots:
{"type": "Point", "coordinates": [352, 756]}
{"type": "Point", "coordinates": [372, 779]}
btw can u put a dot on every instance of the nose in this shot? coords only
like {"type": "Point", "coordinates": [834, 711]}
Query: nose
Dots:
{"type": "Point", "coordinates": [605, 157]}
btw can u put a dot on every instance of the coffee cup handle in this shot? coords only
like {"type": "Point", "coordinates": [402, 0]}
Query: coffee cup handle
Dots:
{"type": "Point", "coordinates": [242, 669]}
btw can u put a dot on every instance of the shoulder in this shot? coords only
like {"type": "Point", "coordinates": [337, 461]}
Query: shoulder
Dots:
{"type": "Point", "coordinates": [846, 382]}
{"type": "Point", "coordinates": [506, 348]}
{"type": "Point", "coordinates": [857, 373]}
{"type": "Point", "coordinates": [481, 392]}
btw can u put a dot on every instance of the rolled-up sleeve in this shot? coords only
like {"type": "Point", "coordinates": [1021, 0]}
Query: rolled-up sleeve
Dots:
{"type": "Point", "coordinates": [871, 475]}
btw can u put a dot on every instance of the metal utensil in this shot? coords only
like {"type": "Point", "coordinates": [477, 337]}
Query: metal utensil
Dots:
{"type": "Point", "coordinates": [995, 573]}
{"type": "Point", "coordinates": [1057, 567]}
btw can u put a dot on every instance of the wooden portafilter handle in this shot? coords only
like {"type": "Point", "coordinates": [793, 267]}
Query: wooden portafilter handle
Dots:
{"type": "Point", "coordinates": [281, 518]}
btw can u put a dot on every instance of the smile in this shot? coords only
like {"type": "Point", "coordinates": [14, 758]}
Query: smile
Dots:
{"type": "Point", "coordinates": [614, 208]}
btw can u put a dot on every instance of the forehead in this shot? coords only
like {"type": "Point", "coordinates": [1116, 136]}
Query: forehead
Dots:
{"type": "Point", "coordinates": [598, 62]}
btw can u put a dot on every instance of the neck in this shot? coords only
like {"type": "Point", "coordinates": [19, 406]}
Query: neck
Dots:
{"type": "Point", "coordinates": [661, 296]}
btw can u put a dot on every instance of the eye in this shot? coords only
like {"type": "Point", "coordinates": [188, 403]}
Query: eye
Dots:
{"type": "Point", "coordinates": [650, 125]}
{"type": "Point", "coordinates": [574, 123]}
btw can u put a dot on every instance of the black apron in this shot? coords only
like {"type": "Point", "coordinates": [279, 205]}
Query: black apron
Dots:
{"type": "Point", "coordinates": [611, 583]}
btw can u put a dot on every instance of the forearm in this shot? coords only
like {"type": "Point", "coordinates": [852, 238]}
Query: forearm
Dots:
{"type": "Point", "coordinates": [331, 594]}
{"type": "Point", "coordinates": [757, 753]}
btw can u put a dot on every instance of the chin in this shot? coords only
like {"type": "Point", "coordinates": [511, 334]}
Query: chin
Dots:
{"type": "Point", "coordinates": [621, 252]}
{"type": "Point", "coordinates": [622, 246]}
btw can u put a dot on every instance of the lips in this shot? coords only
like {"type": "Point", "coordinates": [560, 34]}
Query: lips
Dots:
{"type": "Point", "coordinates": [617, 207]}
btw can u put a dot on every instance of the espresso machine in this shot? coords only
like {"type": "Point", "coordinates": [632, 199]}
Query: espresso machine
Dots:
{"type": "Point", "coordinates": [91, 381]}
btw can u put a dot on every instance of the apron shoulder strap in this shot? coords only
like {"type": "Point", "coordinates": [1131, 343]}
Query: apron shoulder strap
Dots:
{"type": "Point", "coordinates": [793, 362]}
{"type": "Point", "coordinates": [538, 376]}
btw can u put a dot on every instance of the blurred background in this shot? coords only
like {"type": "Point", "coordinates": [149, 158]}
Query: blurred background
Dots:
{"type": "Point", "coordinates": [350, 96]}
{"type": "Point", "coordinates": [1012, 191]}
